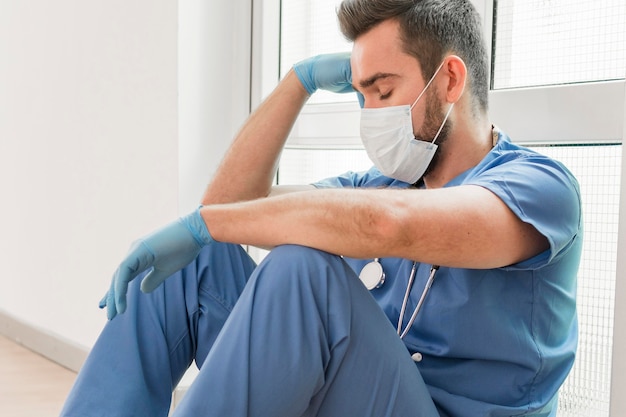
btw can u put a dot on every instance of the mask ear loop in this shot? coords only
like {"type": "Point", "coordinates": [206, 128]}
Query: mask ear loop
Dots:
{"type": "Point", "coordinates": [428, 84]}
{"type": "Point", "coordinates": [445, 119]}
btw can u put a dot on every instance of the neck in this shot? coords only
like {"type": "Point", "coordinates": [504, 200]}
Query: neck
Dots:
{"type": "Point", "coordinates": [469, 141]}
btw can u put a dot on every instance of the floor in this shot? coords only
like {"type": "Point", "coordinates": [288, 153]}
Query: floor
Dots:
{"type": "Point", "coordinates": [31, 385]}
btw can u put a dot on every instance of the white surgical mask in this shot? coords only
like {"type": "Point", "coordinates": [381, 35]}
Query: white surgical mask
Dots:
{"type": "Point", "coordinates": [387, 135]}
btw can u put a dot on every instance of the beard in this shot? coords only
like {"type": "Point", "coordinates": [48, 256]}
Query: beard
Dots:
{"type": "Point", "coordinates": [433, 120]}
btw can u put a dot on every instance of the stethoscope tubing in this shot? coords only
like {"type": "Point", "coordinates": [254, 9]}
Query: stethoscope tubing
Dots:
{"type": "Point", "coordinates": [373, 276]}
{"type": "Point", "coordinates": [429, 283]}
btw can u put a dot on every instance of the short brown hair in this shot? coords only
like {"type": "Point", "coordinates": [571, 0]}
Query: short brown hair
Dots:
{"type": "Point", "coordinates": [430, 29]}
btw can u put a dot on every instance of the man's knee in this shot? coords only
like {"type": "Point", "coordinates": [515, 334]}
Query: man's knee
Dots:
{"type": "Point", "coordinates": [289, 261]}
{"type": "Point", "coordinates": [298, 255]}
{"type": "Point", "coordinates": [292, 269]}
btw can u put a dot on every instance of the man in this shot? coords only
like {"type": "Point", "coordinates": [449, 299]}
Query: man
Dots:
{"type": "Point", "coordinates": [478, 239]}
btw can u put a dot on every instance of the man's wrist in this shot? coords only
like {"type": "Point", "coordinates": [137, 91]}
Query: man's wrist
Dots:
{"type": "Point", "coordinates": [298, 78]}
{"type": "Point", "coordinates": [197, 227]}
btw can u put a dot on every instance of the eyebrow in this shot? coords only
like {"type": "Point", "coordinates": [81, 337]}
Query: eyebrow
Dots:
{"type": "Point", "coordinates": [368, 82]}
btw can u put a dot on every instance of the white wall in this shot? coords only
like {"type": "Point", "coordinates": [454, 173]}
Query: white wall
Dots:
{"type": "Point", "coordinates": [113, 116]}
{"type": "Point", "coordinates": [88, 150]}
{"type": "Point", "coordinates": [214, 84]}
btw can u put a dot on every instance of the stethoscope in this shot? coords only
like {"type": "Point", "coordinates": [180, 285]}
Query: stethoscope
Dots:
{"type": "Point", "coordinates": [373, 276]}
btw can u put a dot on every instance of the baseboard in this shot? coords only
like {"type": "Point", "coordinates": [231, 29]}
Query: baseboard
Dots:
{"type": "Point", "coordinates": [67, 354]}
{"type": "Point", "coordinates": [54, 347]}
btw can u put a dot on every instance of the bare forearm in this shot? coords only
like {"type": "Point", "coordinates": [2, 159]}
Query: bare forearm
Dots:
{"type": "Point", "coordinates": [353, 223]}
{"type": "Point", "coordinates": [460, 227]}
{"type": "Point", "coordinates": [319, 218]}
{"type": "Point", "coordinates": [249, 166]}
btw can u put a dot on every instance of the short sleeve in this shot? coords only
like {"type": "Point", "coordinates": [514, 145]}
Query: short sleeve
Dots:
{"type": "Point", "coordinates": [541, 192]}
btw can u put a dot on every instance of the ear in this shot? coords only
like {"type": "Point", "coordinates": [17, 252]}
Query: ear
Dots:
{"type": "Point", "coordinates": [456, 72]}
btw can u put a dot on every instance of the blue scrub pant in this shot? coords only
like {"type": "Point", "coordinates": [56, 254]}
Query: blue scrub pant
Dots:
{"type": "Point", "coordinates": [299, 335]}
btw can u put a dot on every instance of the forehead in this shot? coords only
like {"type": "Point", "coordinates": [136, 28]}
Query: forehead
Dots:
{"type": "Point", "coordinates": [379, 51]}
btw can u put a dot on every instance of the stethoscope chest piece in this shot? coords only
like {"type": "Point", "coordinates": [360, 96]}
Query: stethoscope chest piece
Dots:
{"type": "Point", "coordinates": [372, 275]}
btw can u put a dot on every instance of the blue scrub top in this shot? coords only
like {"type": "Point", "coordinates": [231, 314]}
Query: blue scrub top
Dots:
{"type": "Point", "coordinates": [495, 342]}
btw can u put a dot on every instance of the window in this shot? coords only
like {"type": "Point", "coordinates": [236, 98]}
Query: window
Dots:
{"type": "Point", "coordinates": [586, 392]}
{"type": "Point", "coordinates": [572, 49]}
{"type": "Point", "coordinates": [551, 42]}
{"type": "Point", "coordinates": [318, 150]}
{"type": "Point", "coordinates": [310, 28]}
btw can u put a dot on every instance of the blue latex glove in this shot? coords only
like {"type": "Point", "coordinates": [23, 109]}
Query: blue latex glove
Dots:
{"type": "Point", "coordinates": [166, 251]}
{"type": "Point", "coordinates": [330, 72]}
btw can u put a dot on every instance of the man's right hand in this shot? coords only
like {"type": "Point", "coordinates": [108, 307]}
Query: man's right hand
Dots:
{"type": "Point", "coordinates": [330, 72]}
